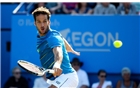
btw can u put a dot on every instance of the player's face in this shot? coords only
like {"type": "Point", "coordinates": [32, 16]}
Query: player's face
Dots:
{"type": "Point", "coordinates": [42, 23]}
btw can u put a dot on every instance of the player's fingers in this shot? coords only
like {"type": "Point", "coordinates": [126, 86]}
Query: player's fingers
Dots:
{"type": "Point", "coordinates": [58, 71]}
{"type": "Point", "coordinates": [54, 74]}
{"type": "Point", "coordinates": [77, 53]}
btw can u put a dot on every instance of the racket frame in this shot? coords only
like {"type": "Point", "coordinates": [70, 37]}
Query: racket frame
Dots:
{"type": "Point", "coordinates": [43, 69]}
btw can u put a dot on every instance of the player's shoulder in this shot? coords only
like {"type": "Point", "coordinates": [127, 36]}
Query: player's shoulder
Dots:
{"type": "Point", "coordinates": [54, 36]}
{"type": "Point", "coordinates": [54, 32]}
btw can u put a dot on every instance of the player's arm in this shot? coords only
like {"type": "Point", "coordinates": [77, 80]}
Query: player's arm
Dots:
{"type": "Point", "coordinates": [58, 55]}
{"type": "Point", "coordinates": [69, 48]}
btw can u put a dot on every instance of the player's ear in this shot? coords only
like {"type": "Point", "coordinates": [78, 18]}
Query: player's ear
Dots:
{"type": "Point", "coordinates": [35, 23]}
{"type": "Point", "coordinates": [49, 22]}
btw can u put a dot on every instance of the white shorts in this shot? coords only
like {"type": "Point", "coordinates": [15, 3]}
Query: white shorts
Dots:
{"type": "Point", "coordinates": [69, 80]}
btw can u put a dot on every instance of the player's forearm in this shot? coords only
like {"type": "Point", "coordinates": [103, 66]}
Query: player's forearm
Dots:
{"type": "Point", "coordinates": [58, 56]}
{"type": "Point", "coordinates": [68, 47]}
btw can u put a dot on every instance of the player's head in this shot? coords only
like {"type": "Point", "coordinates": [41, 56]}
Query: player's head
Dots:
{"type": "Point", "coordinates": [42, 19]}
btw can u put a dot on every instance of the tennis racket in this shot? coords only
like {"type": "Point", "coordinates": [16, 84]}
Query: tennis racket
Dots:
{"type": "Point", "coordinates": [34, 69]}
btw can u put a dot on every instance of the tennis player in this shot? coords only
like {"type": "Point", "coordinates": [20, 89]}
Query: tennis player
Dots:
{"type": "Point", "coordinates": [53, 50]}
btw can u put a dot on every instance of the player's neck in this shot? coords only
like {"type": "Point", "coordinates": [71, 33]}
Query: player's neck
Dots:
{"type": "Point", "coordinates": [44, 33]}
{"type": "Point", "coordinates": [41, 34]}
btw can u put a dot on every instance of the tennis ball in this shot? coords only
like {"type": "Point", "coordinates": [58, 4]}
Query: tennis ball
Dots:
{"type": "Point", "coordinates": [117, 43]}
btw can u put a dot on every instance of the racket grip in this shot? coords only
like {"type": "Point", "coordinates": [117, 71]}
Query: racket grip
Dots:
{"type": "Point", "coordinates": [51, 71]}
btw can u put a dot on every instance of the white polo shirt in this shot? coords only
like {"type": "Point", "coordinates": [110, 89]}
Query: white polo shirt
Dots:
{"type": "Point", "coordinates": [105, 84]}
{"type": "Point", "coordinates": [83, 78]}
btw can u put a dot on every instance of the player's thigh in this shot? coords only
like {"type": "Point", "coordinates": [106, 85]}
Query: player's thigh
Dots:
{"type": "Point", "coordinates": [71, 81]}
{"type": "Point", "coordinates": [66, 81]}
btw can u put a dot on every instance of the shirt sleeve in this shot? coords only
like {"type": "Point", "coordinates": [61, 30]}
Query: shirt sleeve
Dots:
{"type": "Point", "coordinates": [55, 41]}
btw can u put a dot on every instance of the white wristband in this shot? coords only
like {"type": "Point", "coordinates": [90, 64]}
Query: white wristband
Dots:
{"type": "Point", "coordinates": [56, 65]}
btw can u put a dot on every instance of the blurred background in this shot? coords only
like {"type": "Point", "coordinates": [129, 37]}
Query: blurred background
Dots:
{"type": "Point", "coordinates": [90, 28]}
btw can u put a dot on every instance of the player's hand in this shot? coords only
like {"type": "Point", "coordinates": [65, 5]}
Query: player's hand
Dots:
{"type": "Point", "coordinates": [57, 72]}
{"type": "Point", "coordinates": [76, 53]}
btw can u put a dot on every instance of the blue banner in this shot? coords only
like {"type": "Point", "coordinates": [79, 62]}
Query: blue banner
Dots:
{"type": "Point", "coordinates": [93, 36]}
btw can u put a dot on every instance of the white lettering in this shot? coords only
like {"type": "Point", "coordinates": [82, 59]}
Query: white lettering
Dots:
{"type": "Point", "coordinates": [111, 38]}
{"type": "Point", "coordinates": [20, 22]}
{"type": "Point", "coordinates": [90, 40]}
{"type": "Point", "coordinates": [96, 39]}
{"type": "Point", "coordinates": [87, 39]}
{"type": "Point", "coordinates": [55, 23]}
{"type": "Point", "coordinates": [75, 38]}
{"type": "Point", "coordinates": [29, 22]}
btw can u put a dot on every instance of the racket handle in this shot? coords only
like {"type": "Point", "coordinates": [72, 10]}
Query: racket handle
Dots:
{"type": "Point", "coordinates": [50, 71]}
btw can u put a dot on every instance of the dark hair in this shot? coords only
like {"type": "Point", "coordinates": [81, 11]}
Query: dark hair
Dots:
{"type": "Point", "coordinates": [101, 71]}
{"type": "Point", "coordinates": [41, 10]}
